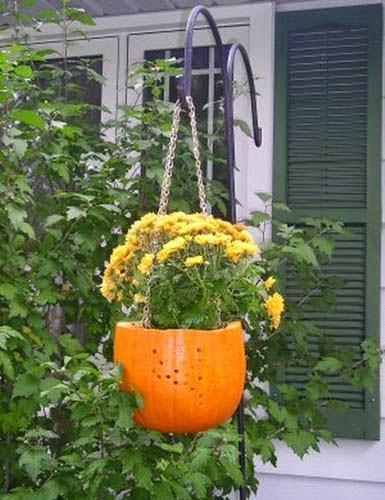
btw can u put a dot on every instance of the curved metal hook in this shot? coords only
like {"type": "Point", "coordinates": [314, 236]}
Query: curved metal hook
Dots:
{"type": "Point", "coordinates": [238, 47]}
{"type": "Point", "coordinates": [184, 83]}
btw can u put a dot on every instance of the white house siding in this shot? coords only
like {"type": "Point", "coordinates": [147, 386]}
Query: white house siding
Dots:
{"type": "Point", "coordinates": [355, 470]}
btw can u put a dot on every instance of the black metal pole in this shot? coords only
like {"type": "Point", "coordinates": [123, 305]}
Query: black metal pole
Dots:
{"type": "Point", "coordinates": [184, 90]}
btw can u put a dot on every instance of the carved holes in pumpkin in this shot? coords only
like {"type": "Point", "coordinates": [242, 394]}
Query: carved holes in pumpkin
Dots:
{"type": "Point", "coordinates": [200, 377]}
{"type": "Point", "coordinates": [168, 376]}
{"type": "Point", "coordinates": [154, 351]}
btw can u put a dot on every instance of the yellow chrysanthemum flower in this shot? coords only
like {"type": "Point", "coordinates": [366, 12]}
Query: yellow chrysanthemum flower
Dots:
{"type": "Point", "coordinates": [212, 239]}
{"type": "Point", "coordinates": [118, 254]}
{"type": "Point", "coordinates": [244, 235]}
{"type": "Point", "coordinates": [107, 289]}
{"type": "Point", "coordinates": [237, 249]}
{"type": "Point", "coordinates": [275, 305]}
{"type": "Point", "coordinates": [139, 298]}
{"type": "Point", "coordinates": [145, 263]}
{"type": "Point", "coordinates": [269, 282]}
{"type": "Point", "coordinates": [194, 261]}
{"type": "Point", "coordinates": [171, 247]}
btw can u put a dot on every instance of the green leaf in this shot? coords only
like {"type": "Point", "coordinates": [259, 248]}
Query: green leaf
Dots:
{"type": "Point", "coordinates": [16, 214]}
{"type": "Point", "coordinates": [39, 432]}
{"type": "Point", "coordinates": [52, 389]}
{"type": "Point", "coordinates": [162, 491]}
{"type": "Point", "coordinates": [111, 208]}
{"type": "Point", "coordinates": [70, 344]}
{"type": "Point", "coordinates": [7, 366]}
{"type": "Point", "coordinates": [8, 290]}
{"type": "Point", "coordinates": [257, 218]}
{"type": "Point", "coordinates": [24, 71]}
{"type": "Point", "coordinates": [125, 408]}
{"type": "Point", "coordinates": [172, 448]}
{"type": "Point", "coordinates": [6, 332]}
{"type": "Point", "coordinates": [243, 126]}
{"type": "Point", "coordinates": [265, 197]}
{"type": "Point", "coordinates": [75, 213]}
{"type": "Point", "coordinates": [27, 384]}
{"type": "Point", "coordinates": [35, 461]}
{"type": "Point", "coordinates": [279, 413]}
{"type": "Point", "coordinates": [143, 476]}
{"type": "Point", "coordinates": [53, 489]}
{"type": "Point", "coordinates": [200, 457]}
{"type": "Point", "coordinates": [329, 365]}
{"type": "Point", "coordinates": [27, 229]}
{"type": "Point", "coordinates": [299, 442]}
{"type": "Point", "coordinates": [266, 449]}
{"type": "Point", "coordinates": [200, 482]}
{"type": "Point", "coordinates": [281, 207]}
{"type": "Point", "coordinates": [325, 245]}
{"type": "Point", "coordinates": [30, 118]}
{"type": "Point", "coordinates": [139, 399]}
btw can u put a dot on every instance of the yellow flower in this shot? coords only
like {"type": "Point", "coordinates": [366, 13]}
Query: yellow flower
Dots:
{"type": "Point", "coordinates": [193, 261]}
{"type": "Point", "coordinates": [145, 264]}
{"type": "Point", "coordinates": [107, 289]}
{"type": "Point", "coordinates": [270, 282]}
{"type": "Point", "coordinates": [212, 239]}
{"type": "Point", "coordinates": [244, 235]}
{"type": "Point", "coordinates": [171, 247]}
{"type": "Point", "coordinates": [139, 298]}
{"type": "Point", "coordinates": [237, 249]}
{"type": "Point", "coordinates": [275, 305]}
{"type": "Point", "coordinates": [118, 254]}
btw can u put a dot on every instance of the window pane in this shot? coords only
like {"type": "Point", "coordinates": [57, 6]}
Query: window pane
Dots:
{"type": "Point", "coordinates": [75, 82]}
{"type": "Point", "coordinates": [207, 92]}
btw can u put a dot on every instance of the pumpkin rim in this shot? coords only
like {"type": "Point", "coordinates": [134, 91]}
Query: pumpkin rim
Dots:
{"type": "Point", "coordinates": [135, 325]}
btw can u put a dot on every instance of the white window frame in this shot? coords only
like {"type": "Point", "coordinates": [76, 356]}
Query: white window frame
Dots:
{"type": "Point", "coordinates": [108, 49]}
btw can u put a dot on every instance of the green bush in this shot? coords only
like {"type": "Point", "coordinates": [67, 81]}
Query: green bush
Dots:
{"type": "Point", "coordinates": [66, 195]}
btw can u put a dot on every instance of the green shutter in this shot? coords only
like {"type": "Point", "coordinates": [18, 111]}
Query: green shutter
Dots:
{"type": "Point", "coordinates": [327, 162]}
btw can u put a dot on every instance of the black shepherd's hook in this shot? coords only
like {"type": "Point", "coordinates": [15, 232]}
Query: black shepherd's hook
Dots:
{"type": "Point", "coordinates": [184, 90]}
{"type": "Point", "coordinates": [227, 72]}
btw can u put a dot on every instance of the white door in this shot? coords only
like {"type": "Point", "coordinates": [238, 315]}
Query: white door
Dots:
{"type": "Point", "coordinates": [205, 84]}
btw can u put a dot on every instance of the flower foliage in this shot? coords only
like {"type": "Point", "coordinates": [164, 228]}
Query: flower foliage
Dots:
{"type": "Point", "coordinates": [192, 270]}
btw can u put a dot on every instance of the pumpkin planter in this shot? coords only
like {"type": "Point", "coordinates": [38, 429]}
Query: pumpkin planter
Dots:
{"type": "Point", "coordinates": [191, 380]}
{"type": "Point", "coordinates": [174, 271]}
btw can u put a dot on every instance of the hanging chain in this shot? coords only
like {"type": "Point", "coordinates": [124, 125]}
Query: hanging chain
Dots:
{"type": "Point", "coordinates": [146, 318]}
{"type": "Point", "coordinates": [169, 163]}
{"type": "Point", "coordinates": [197, 156]}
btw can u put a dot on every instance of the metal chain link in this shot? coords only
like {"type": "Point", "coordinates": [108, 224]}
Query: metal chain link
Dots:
{"type": "Point", "coordinates": [146, 318]}
{"type": "Point", "coordinates": [169, 163]}
{"type": "Point", "coordinates": [196, 152]}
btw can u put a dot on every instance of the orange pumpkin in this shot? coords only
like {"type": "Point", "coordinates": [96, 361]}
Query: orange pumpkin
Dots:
{"type": "Point", "coordinates": [190, 380]}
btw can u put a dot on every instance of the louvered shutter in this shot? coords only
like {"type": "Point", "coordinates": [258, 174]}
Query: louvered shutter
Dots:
{"type": "Point", "coordinates": [327, 163]}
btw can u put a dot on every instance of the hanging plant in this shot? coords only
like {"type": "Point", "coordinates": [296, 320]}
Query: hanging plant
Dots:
{"type": "Point", "coordinates": [184, 279]}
